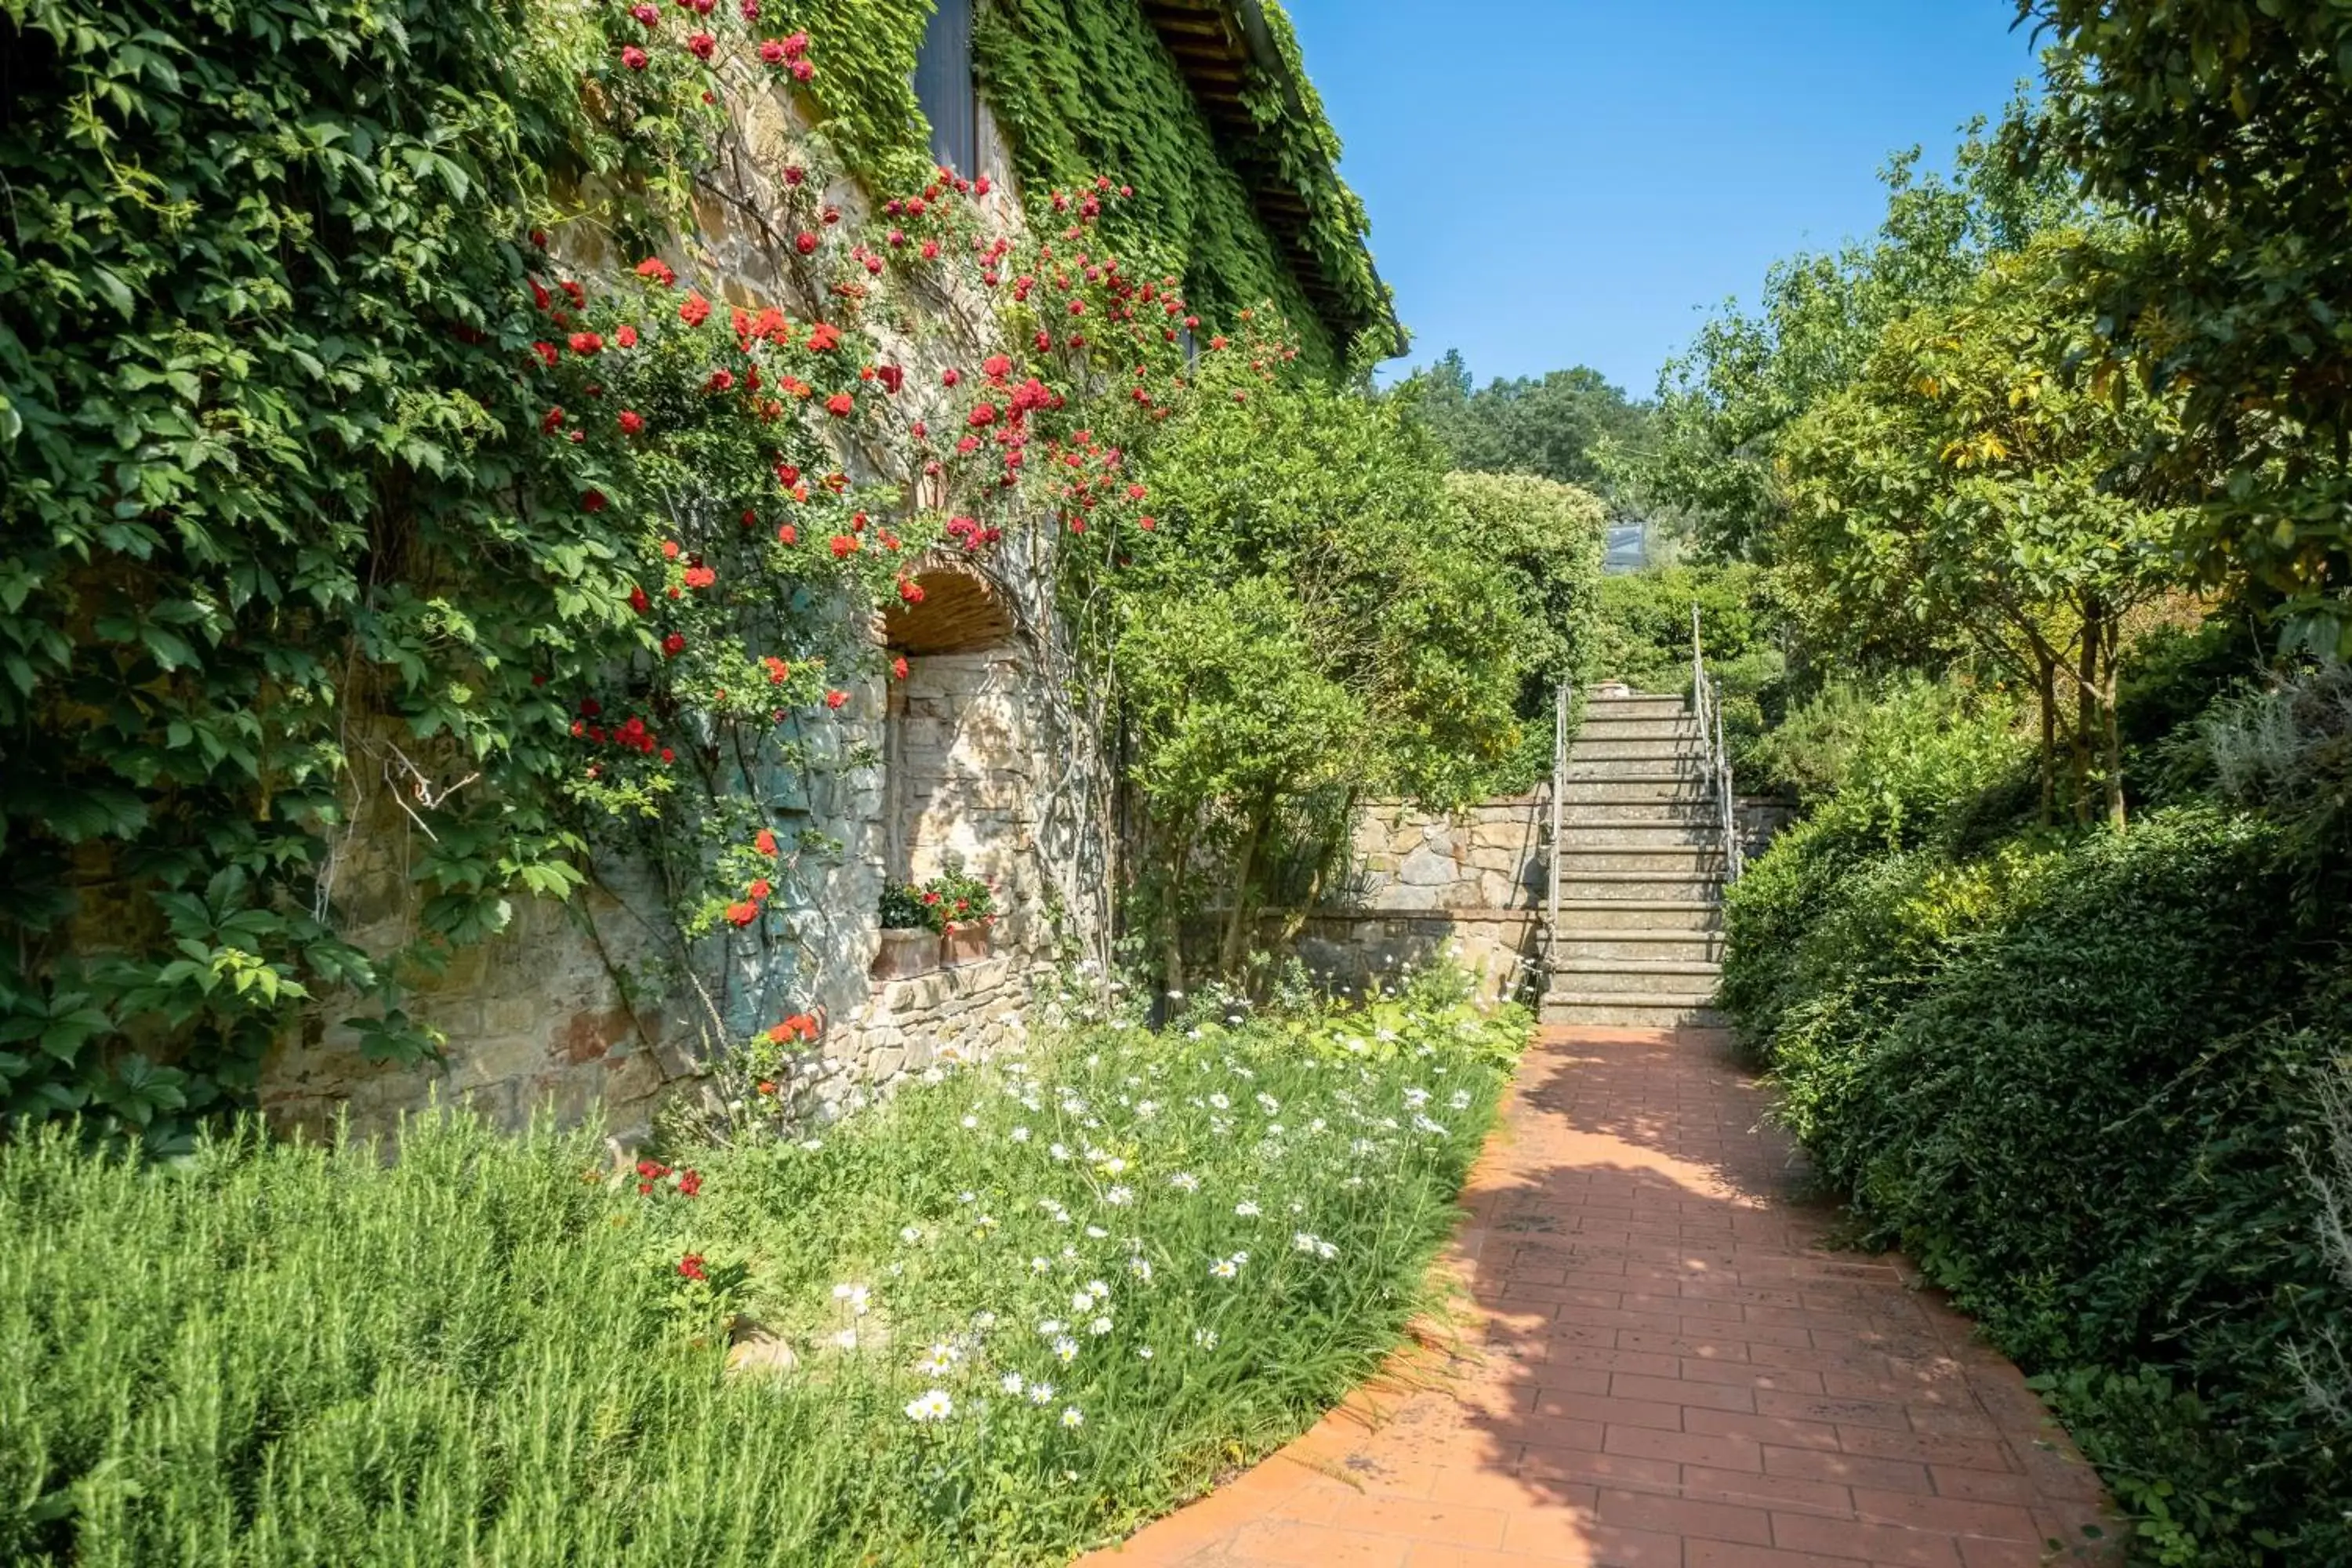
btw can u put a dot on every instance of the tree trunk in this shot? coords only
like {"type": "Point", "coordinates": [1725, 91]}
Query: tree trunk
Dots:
{"type": "Point", "coordinates": [2047, 684]}
{"type": "Point", "coordinates": [1237, 918]}
{"type": "Point", "coordinates": [2086, 715]}
{"type": "Point", "coordinates": [1171, 917]}
{"type": "Point", "coordinates": [2111, 733]}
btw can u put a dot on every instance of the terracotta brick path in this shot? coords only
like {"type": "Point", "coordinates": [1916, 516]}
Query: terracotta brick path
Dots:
{"type": "Point", "coordinates": [1664, 1366]}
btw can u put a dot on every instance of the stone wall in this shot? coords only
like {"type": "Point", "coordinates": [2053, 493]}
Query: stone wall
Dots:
{"type": "Point", "coordinates": [599, 1001]}
{"type": "Point", "coordinates": [1468, 885]}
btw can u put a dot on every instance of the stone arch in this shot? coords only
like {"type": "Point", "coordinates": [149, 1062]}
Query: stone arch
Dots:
{"type": "Point", "coordinates": [961, 611]}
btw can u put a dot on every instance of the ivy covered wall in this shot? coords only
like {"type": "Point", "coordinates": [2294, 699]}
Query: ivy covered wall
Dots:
{"type": "Point", "coordinates": [1082, 86]}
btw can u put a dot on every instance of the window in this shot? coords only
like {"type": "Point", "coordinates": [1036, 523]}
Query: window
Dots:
{"type": "Point", "coordinates": [945, 89]}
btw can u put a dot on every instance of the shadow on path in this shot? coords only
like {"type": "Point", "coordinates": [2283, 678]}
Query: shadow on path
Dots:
{"type": "Point", "coordinates": [1666, 1367]}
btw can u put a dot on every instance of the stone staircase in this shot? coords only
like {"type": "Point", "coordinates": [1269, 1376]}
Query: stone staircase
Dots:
{"type": "Point", "coordinates": [1640, 855]}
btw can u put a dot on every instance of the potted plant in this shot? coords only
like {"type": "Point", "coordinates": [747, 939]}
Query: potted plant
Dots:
{"type": "Point", "coordinates": [965, 910]}
{"type": "Point", "coordinates": [910, 935]}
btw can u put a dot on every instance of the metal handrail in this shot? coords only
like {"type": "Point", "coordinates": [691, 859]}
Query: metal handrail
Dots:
{"type": "Point", "coordinates": [1707, 705]}
{"type": "Point", "coordinates": [1558, 788]}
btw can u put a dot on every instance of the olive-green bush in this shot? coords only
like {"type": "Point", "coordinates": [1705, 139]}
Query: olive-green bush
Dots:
{"type": "Point", "coordinates": [2077, 1076]}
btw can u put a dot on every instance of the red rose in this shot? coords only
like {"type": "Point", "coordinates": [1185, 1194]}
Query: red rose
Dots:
{"type": "Point", "coordinates": [673, 645]}
{"type": "Point", "coordinates": [911, 590]}
{"type": "Point", "coordinates": [891, 376]}
{"type": "Point", "coordinates": [689, 1183]}
{"type": "Point", "coordinates": [638, 602]}
{"type": "Point", "coordinates": [794, 173]}
{"type": "Point", "coordinates": [760, 889]}
{"type": "Point", "coordinates": [742, 914]}
{"type": "Point", "coordinates": [695, 311]}
{"type": "Point", "coordinates": [765, 843]}
{"type": "Point", "coordinates": [949, 376]}
{"type": "Point", "coordinates": [899, 667]}
{"type": "Point", "coordinates": [1145, 523]}
{"type": "Point", "coordinates": [626, 337]}
{"type": "Point", "coordinates": [840, 404]}
{"type": "Point", "coordinates": [632, 422]}
{"type": "Point", "coordinates": [842, 545]}
{"type": "Point", "coordinates": [667, 756]}
{"type": "Point", "coordinates": [646, 15]}
{"type": "Point", "coordinates": [547, 353]}
{"type": "Point", "coordinates": [822, 337]}
{"type": "Point", "coordinates": [592, 500]}
{"type": "Point", "coordinates": [996, 367]}
{"type": "Point", "coordinates": [554, 419]}
{"type": "Point", "coordinates": [634, 57]}
{"type": "Point", "coordinates": [802, 70]}
{"type": "Point", "coordinates": [692, 1266]}
{"type": "Point", "coordinates": [654, 268]}
{"type": "Point", "coordinates": [669, 549]}
{"type": "Point", "coordinates": [787, 534]}
{"type": "Point", "coordinates": [804, 242]}
{"type": "Point", "coordinates": [772, 51]}
{"type": "Point", "coordinates": [702, 44]}
{"type": "Point", "coordinates": [981, 184]}
{"type": "Point", "coordinates": [836, 699]}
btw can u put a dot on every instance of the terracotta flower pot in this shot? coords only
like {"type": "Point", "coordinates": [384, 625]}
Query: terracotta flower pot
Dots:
{"type": "Point", "coordinates": [906, 953]}
{"type": "Point", "coordinates": [966, 943]}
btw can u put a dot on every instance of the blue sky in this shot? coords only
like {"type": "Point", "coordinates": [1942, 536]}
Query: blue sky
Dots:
{"type": "Point", "coordinates": [1563, 181]}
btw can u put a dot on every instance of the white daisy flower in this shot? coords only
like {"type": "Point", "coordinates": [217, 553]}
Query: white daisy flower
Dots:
{"type": "Point", "coordinates": [934, 1406]}
{"type": "Point", "coordinates": [1205, 1338]}
{"type": "Point", "coordinates": [1185, 1182]}
{"type": "Point", "coordinates": [1011, 1382]}
{"type": "Point", "coordinates": [1070, 1416]}
{"type": "Point", "coordinates": [1096, 1232]}
{"type": "Point", "coordinates": [1040, 1265]}
{"type": "Point", "coordinates": [1225, 1269]}
{"type": "Point", "coordinates": [1020, 1135]}
{"type": "Point", "coordinates": [1066, 1349]}
{"type": "Point", "coordinates": [910, 1235]}
{"type": "Point", "coordinates": [1247, 1209]}
{"type": "Point", "coordinates": [1140, 1268]}
{"type": "Point", "coordinates": [1119, 1198]}
{"type": "Point", "coordinates": [1099, 1327]}
{"type": "Point", "coordinates": [846, 1339]}
{"type": "Point", "coordinates": [1041, 1392]}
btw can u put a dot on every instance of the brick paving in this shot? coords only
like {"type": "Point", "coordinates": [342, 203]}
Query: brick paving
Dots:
{"type": "Point", "coordinates": [1660, 1364]}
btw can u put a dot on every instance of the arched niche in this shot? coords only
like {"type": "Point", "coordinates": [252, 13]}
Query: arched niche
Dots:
{"type": "Point", "coordinates": [961, 611]}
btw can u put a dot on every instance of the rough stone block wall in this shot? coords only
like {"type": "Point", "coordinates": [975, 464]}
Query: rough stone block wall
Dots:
{"type": "Point", "coordinates": [1469, 885]}
{"type": "Point", "coordinates": [595, 1002]}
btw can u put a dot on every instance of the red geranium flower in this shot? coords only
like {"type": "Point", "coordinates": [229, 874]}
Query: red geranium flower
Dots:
{"type": "Point", "coordinates": [742, 914]}
{"type": "Point", "coordinates": [689, 1182]}
{"type": "Point", "coordinates": [840, 404]}
{"type": "Point", "coordinates": [760, 889]}
{"type": "Point", "coordinates": [626, 337]}
{"type": "Point", "coordinates": [765, 843]}
{"type": "Point", "coordinates": [692, 1266]}
{"type": "Point", "coordinates": [836, 699]}
{"type": "Point", "coordinates": [632, 422]}
{"type": "Point", "coordinates": [695, 311]}
{"type": "Point", "coordinates": [898, 667]}
{"type": "Point", "coordinates": [822, 337]}
{"type": "Point", "coordinates": [654, 267]}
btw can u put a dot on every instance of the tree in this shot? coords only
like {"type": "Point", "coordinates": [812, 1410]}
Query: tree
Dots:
{"type": "Point", "coordinates": [1553, 427]}
{"type": "Point", "coordinates": [1964, 481]}
{"type": "Point", "coordinates": [1307, 624]}
{"type": "Point", "coordinates": [1548, 538]}
{"type": "Point", "coordinates": [2227, 129]}
{"type": "Point", "coordinates": [1726, 403]}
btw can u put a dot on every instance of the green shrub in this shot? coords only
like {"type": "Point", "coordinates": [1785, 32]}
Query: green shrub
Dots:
{"type": "Point", "coordinates": [501, 1350]}
{"type": "Point", "coordinates": [2074, 1079]}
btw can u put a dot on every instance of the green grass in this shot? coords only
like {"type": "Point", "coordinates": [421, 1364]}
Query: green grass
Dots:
{"type": "Point", "coordinates": [485, 1352]}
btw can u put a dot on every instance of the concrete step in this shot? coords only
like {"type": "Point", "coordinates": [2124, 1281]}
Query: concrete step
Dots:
{"type": "Point", "coordinates": [1580, 835]}
{"type": "Point", "coordinates": [1577, 860]}
{"type": "Point", "coordinates": [1654, 1012]}
{"type": "Point", "coordinates": [1593, 916]}
{"type": "Point", "coordinates": [1637, 946]}
{"type": "Point", "coordinates": [1615, 976]}
{"type": "Point", "coordinates": [1671, 811]}
{"type": "Point", "coordinates": [1636, 708]}
{"type": "Point", "coordinates": [1661, 751]}
{"type": "Point", "coordinates": [1610, 727]}
{"type": "Point", "coordinates": [1651, 771]}
{"type": "Point", "coordinates": [1617, 886]}
{"type": "Point", "coordinates": [1619, 783]}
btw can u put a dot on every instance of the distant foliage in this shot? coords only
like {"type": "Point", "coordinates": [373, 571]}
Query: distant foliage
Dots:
{"type": "Point", "coordinates": [1554, 427]}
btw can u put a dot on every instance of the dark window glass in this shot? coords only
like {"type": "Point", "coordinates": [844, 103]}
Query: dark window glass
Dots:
{"type": "Point", "coordinates": [944, 86]}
